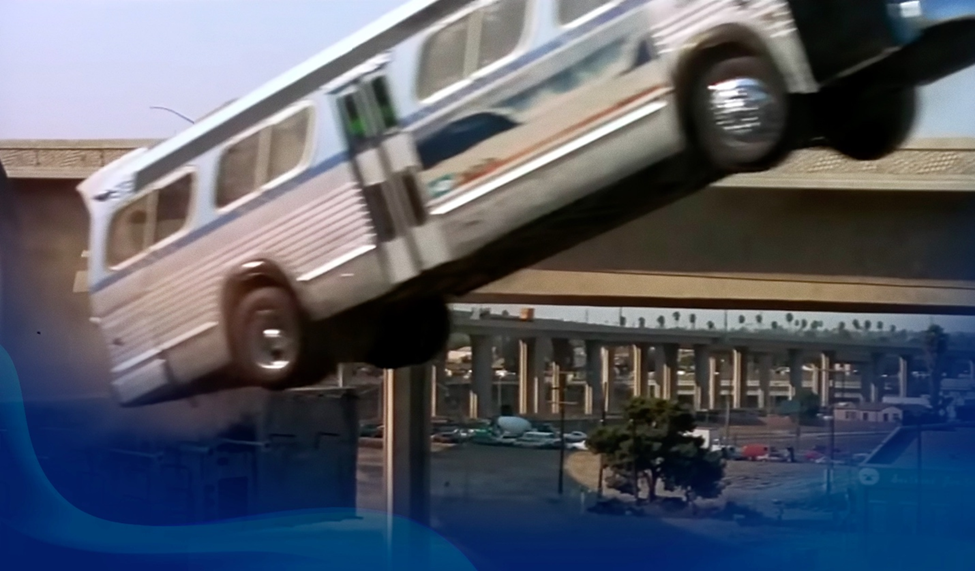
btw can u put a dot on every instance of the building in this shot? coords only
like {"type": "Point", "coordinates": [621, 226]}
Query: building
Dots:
{"type": "Point", "coordinates": [931, 466]}
{"type": "Point", "coordinates": [877, 412]}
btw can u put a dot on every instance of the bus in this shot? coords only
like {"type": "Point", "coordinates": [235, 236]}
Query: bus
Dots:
{"type": "Point", "coordinates": [327, 216]}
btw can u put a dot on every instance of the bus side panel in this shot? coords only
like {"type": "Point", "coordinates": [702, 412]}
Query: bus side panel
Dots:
{"type": "Point", "coordinates": [302, 226]}
{"type": "Point", "coordinates": [122, 310]}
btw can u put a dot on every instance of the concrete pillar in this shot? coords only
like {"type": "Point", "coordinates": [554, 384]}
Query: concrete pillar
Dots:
{"type": "Point", "coordinates": [607, 378]}
{"type": "Point", "coordinates": [438, 379]}
{"type": "Point", "coordinates": [482, 376]}
{"type": "Point", "coordinates": [531, 366]}
{"type": "Point", "coordinates": [340, 375]}
{"type": "Point", "coordinates": [594, 374]}
{"type": "Point", "coordinates": [765, 382]}
{"type": "Point", "coordinates": [796, 361]}
{"type": "Point", "coordinates": [903, 374]}
{"type": "Point", "coordinates": [406, 442]}
{"type": "Point", "coordinates": [825, 377]}
{"type": "Point", "coordinates": [714, 382]}
{"type": "Point", "coordinates": [665, 370]}
{"type": "Point", "coordinates": [704, 365]}
{"type": "Point", "coordinates": [641, 370]}
{"type": "Point", "coordinates": [562, 360]}
{"type": "Point", "coordinates": [739, 378]}
{"type": "Point", "coordinates": [871, 382]}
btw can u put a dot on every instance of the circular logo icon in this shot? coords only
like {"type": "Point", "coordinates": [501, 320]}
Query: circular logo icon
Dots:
{"type": "Point", "coordinates": [869, 476]}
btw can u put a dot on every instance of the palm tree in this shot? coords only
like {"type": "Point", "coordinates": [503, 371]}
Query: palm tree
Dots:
{"type": "Point", "coordinates": [841, 326]}
{"type": "Point", "coordinates": [693, 318]}
{"type": "Point", "coordinates": [642, 322]}
{"type": "Point", "coordinates": [880, 326]}
{"type": "Point", "coordinates": [804, 324]}
{"type": "Point", "coordinates": [893, 328]}
{"type": "Point", "coordinates": [676, 317]}
{"type": "Point", "coordinates": [661, 321]}
{"type": "Point", "coordinates": [867, 325]}
{"type": "Point", "coordinates": [789, 317]}
{"type": "Point", "coordinates": [758, 319]}
{"type": "Point", "coordinates": [775, 325]}
{"type": "Point", "coordinates": [856, 324]}
{"type": "Point", "coordinates": [711, 325]}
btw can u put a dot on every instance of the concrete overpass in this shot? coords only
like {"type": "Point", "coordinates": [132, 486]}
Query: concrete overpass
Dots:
{"type": "Point", "coordinates": [733, 368]}
{"type": "Point", "coordinates": [818, 233]}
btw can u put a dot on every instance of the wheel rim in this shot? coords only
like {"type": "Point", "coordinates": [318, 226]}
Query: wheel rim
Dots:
{"type": "Point", "coordinates": [745, 112]}
{"type": "Point", "coordinates": [273, 342]}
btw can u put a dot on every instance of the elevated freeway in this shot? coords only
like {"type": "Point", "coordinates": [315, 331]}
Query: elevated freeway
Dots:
{"type": "Point", "coordinates": [820, 232]}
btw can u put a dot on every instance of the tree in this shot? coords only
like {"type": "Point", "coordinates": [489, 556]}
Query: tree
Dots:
{"type": "Point", "coordinates": [841, 326]}
{"type": "Point", "coordinates": [711, 325]}
{"type": "Point", "coordinates": [775, 325]}
{"type": "Point", "coordinates": [654, 445]}
{"type": "Point", "coordinates": [803, 324]}
{"type": "Point", "coordinates": [676, 316]}
{"type": "Point", "coordinates": [758, 318]}
{"type": "Point", "coordinates": [935, 348]}
{"type": "Point", "coordinates": [693, 319]}
{"type": "Point", "coordinates": [893, 329]}
{"type": "Point", "coordinates": [642, 322]}
{"type": "Point", "coordinates": [880, 326]}
{"type": "Point", "coordinates": [661, 321]}
{"type": "Point", "coordinates": [804, 405]}
{"type": "Point", "coordinates": [856, 324]}
{"type": "Point", "coordinates": [867, 325]}
{"type": "Point", "coordinates": [789, 317]}
{"type": "Point", "coordinates": [741, 319]}
{"type": "Point", "coordinates": [458, 341]}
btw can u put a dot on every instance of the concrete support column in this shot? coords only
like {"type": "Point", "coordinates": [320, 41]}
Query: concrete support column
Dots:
{"type": "Point", "coordinates": [438, 379]}
{"type": "Point", "coordinates": [704, 365]}
{"type": "Point", "coordinates": [796, 375]}
{"type": "Point", "coordinates": [739, 379]}
{"type": "Point", "coordinates": [641, 370]}
{"type": "Point", "coordinates": [482, 376]}
{"type": "Point", "coordinates": [825, 377]}
{"type": "Point", "coordinates": [765, 382]}
{"type": "Point", "coordinates": [665, 370]}
{"type": "Point", "coordinates": [562, 360]}
{"type": "Point", "coordinates": [594, 374]}
{"type": "Point", "coordinates": [714, 382]}
{"type": "Point", "coordinates": [871, 382]}
{"type": "Point", "coordinates": [903, 374]}
{"type": "Point", "coordinates": [406, 442]}
{"type": "Point", "coordinates": [530, 376]}
{"type": "Point", "coordinates": [607, 378]}
{"type": "Point", "coordinates": [340, 371]}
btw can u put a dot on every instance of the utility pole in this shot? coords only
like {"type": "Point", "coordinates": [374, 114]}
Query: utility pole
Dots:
{"type": "Point", "coordinates": [562, 403]}
{"type": "Point", "coordinates": [602, 423]}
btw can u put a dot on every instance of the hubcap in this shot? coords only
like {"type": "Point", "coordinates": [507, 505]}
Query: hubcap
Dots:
{"type": "Point", "coordinates": [272, 342]}
{"type": "Point", "coordinates": [745, 112]}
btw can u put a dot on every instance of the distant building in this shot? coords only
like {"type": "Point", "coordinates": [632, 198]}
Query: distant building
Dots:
{"type": "Point", "coordinates": [877, 412]}
{"type": "Point", "coordinates": [888, 489]}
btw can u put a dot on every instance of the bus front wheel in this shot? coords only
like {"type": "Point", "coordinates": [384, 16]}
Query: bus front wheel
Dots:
{"type": "Point", "coordinates": [740, 111]}
{"type": "Point", "coordinates": [271, 342]}
{"type": "Point", "coordinates": [410, 333]}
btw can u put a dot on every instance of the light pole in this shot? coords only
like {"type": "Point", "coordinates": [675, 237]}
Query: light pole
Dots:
{"type": "Point", "coordinates": [831, 418]}
{"type": "Point", "coordinates": [174, 112]}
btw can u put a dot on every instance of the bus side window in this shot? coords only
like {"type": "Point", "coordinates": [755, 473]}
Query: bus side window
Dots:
{"type": "Point", "coordinates": [572, 10]}
{"type": "Point", "coordinates": [443, 58]}
{"type": "Point", "coordinates": [237, 175]}
{"type": "Point", "coordinates": [502, 28]}
{"type": "Point", "coordinates": [173, 207]}
{"type": "Point", "coordinates": [127, 234]}
{"type": "Point", "coordinates": [289, 140]}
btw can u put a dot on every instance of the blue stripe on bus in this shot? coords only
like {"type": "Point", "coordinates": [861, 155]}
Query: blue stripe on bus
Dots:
{"type": "Point", "coordinates": [333, 161]}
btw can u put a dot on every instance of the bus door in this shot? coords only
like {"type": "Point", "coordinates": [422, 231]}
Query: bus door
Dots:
{"type": "Point", "coordinates": [387, 165]}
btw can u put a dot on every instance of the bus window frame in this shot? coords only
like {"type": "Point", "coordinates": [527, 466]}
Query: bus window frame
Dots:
{"type": "Point", "coordinates": [591, 15]}
{"type": "Point", "coordinates": [154, 188]}
{"type": "Point", "coordinates": [263, 153]}
{"type": "Point", "coordinates": [473, 46]}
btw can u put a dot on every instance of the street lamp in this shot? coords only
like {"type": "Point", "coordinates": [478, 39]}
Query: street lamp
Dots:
{"type": "Point", "coordinates": [831, 419]}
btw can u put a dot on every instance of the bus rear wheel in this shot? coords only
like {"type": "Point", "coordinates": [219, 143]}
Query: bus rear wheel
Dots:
{"type": "Point", "coordinates": [867, 123]}
{"type": "Point", "coordinates": [739, 113]}
{"type": "Point", "coordinates": [410, 333]}
{"type": "Point", "coordinates": [271, 342]}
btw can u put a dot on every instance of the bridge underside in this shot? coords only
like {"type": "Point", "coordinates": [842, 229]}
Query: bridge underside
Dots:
{"type": "Point", "coordinates": [772, 248]}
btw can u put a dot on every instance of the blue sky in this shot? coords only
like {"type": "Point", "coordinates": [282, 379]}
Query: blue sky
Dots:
{"type": "Point", "coordinates": [77, 69]}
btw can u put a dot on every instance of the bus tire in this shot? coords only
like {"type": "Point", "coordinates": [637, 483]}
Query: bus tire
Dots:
{"type": "Point", "coordinates": [752, 139]}
{"type": "Point", "coordinates": [270, 340]}
{"type": "Point", "coordinates": [867, 123]}
{"type": "Point", "coordinates": [411, 333]}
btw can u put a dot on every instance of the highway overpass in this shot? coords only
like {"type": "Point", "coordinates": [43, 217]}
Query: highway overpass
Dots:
{"type": "Point", "coordinates": [818, 233]}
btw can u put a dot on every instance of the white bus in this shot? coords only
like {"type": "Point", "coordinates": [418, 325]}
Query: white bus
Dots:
{"type": "Point", "coordinates": [299, 226]}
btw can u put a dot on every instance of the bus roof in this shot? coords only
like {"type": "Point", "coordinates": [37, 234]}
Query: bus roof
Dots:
{"type": "Point", "coordinates": [222, 124]}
